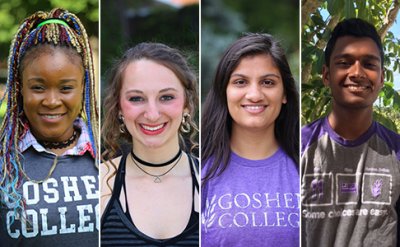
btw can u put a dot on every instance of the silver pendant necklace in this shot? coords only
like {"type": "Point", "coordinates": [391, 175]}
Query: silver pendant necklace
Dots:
{"type": "Point", "coordinates": [157, 178]}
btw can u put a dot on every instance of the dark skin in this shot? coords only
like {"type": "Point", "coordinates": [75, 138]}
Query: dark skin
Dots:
{"type": "Point", "coordinates": [355, 76]}
{"type": "Point", "coordinates": [52, 95]}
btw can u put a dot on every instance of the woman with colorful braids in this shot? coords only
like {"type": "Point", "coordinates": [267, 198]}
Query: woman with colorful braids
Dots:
{"type": "Point", "coordinates": [150, 193]}
{"type": "Point", "coordinates": [49, 136]}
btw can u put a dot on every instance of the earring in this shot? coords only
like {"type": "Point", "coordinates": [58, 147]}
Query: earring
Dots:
{"type": "Point", "coordinates": [122, 127]}
{"type": "Point", "coordinates": [185, 126]}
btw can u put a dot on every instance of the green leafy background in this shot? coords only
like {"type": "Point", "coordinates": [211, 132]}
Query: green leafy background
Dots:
{"type": "Point", "coordinates": [318, 20]}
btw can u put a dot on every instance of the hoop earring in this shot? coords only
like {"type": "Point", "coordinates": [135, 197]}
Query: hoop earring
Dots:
{"type": "Point", "coordinates": [122, 127]}
{"type": "Point", "coordinates": [185, 125]}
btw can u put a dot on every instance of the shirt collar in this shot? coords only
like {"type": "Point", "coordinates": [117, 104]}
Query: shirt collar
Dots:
{"type": "Point", "coordinates": [83, 145]}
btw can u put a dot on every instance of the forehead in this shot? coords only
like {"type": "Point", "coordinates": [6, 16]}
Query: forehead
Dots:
{"type": "Point", "coordinates": [259, 63]}
{"type": "Point", "coordinates": [49, 49]}
{"type": "Point", "coordinates": [54, 66]}
{"type": "Point", "coordinates": [356, 46]}
{"type": "Point", "coordinates": [148, 75]}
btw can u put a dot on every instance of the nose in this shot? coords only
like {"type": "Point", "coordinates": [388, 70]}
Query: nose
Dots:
{"type": "Point", "coordinates": [357, 71]}
{"type": "Point", "coordinates": [254, 92]}
{"type": "Point", "coordinates": [52, 99]}
{"type": "Point", "coordinates": [152, 112]}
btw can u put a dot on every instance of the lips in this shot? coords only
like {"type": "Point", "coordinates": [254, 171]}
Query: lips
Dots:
{"type": "Point", "coordinates": [51, 117]}
{"type": "Point", "coordinates": [357, 88]}
{"type": "Point", "coordinates": [254, 108]}
{"type": "Point", "coordinates": [152, 129]}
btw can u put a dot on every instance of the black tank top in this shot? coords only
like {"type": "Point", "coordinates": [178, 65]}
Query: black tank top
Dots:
{"type": "Point", "coordinates": [118, 229]}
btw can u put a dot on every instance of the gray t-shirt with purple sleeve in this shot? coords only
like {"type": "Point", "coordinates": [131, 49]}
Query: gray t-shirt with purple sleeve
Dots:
{"type": "Point", "coordinates": [349, 188]}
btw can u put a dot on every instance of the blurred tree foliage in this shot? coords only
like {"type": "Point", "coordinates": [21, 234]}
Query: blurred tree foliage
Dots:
{"type": "Point", "coordinates": [318, 20]}
{"type": "Point", "coordinates": [12, 13]}
{"type": "Point", "coordinates": [223, 21]}
{"type": "Point", "coordinates": [125, 23]}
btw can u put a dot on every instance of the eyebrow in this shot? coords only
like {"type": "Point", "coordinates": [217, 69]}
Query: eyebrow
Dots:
{"type": "Point", "coordinates": [161, 91]}
{"type": "Point", "coordinates": [41, 80]}
{"type": "Point", "coordinates": [368, 56]}
{"type": "Point", "coordinates": [263, 76]}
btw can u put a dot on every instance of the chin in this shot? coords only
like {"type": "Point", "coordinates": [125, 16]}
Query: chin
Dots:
{"type": "Point", "coordinates": [357, 104]}
{"type": "Point", "coordinates": [153, 145]}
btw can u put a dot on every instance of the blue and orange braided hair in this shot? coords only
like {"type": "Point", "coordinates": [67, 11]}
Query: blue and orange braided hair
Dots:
{"type": "Point", "coordinates": [69, 32]}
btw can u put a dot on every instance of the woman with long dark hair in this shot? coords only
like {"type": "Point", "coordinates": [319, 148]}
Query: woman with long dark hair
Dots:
{"type": "Point", "coordinates": [250, 148]}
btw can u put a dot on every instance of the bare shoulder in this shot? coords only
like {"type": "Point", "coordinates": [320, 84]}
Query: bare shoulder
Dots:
{"type": "Point", "coordinates": [108, 171]}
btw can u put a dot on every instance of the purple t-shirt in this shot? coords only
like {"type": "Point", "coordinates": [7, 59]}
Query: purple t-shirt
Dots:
{"type": "Point", "coordinates": [349, 188]}
{"type": "Point", "coordinates": [252, 203]}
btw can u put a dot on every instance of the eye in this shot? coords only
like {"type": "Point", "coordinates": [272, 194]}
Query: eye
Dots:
{"type": "Point", "coordinates": [370, 65]}
{"type": "Point", "coordinates": [239, 82]}
{"type": "Point", "coordinates": [37, 88]}
{"type": "Point", "coordinates": [343, 63]}
{"type": "Point", "coordinates": [135, 99]}
{"type": "Point", "coordinates": [267, 82]}
{"type": "Point", "coordinates": [167, 97]}
{"type": "Point", "coordinates": [67, 88]}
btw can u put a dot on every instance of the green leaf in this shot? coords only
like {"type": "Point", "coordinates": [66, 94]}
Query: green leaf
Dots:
{"type": "Point", "coordinates": [307, 53]}
{"type": "Point", "coordinates": [319, 62]}
{"type": "Point", "coordinates": [396, 101]}
{"type": "Point", "coordinates": [362, 9]}
{"type": "Point", "coordinates": [317, 19]}
{"type": "Point", "coordinates": [349, 10]}
{"type": "Point", "coordinates": [387, 122]}
{"type": "Point", "coordinates": [335, 7]}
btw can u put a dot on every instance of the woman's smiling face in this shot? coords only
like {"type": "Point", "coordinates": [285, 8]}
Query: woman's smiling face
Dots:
{"type": "Point", "coordinates": [255, 93]}
{"type": "Point", "coordinates": [52, 91]}
{"type": "Point", "coordinates": [152, 101]}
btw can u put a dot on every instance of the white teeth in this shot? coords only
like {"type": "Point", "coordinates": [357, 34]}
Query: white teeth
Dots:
{"type": "Point", "coordinates": [254, 107]}
{"type": "Point", "coordinates": [52, 116]}
{"type": "Point", "coordinates": [357, 87]}
{"type": "Point", "coordinates": [152, 128]}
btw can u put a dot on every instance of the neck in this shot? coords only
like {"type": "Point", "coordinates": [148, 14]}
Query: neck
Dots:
{"type": "Point", "coordinates": [156, 155]}
{"type": "Point", "coordinates": [350, 123]}
{"type": "Point", "coordinates": [246, 143]}
{"type": "Point", "coordinates": [59, 147]}
{"type": "Point", "coordinates": [60, 151]}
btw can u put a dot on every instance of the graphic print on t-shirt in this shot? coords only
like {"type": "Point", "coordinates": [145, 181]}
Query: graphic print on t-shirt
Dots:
{"type": "Point", "coordinates": [377, 189]}
{"type": "Point", "coordinates": [346, 189]}
{"type": "Point", "coordinates": [319, 187]}
{"type": "Point", "coordinates": [52, 204]}
{"type": "Point", "coordinates": [251, 210]}
{"type": "Point", "coordinates": [349, 188]}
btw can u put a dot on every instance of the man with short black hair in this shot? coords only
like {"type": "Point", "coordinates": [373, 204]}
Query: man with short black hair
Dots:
{"type": "Point", "coordinates": [350, 163]}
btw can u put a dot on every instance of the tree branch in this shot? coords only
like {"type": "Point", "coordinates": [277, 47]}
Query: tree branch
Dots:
{"type": "Point", "coordinates": [321, 43]}
{"type": "Point", "coordinates": [307, 8]}
{"type": "Point", "coordinates": [389, 19]}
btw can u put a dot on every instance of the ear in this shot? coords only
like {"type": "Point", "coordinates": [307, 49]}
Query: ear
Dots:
{"type": "Point", "coordinates": [325, 75]}
{"type": "Point", "coordinates": [284, 100]}
{"type": "Point", "coordinates": [186, 110]}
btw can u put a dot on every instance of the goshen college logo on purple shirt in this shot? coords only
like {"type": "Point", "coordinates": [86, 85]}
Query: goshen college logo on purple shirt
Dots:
{"type": "Point", "coordinates": [251, 210]}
